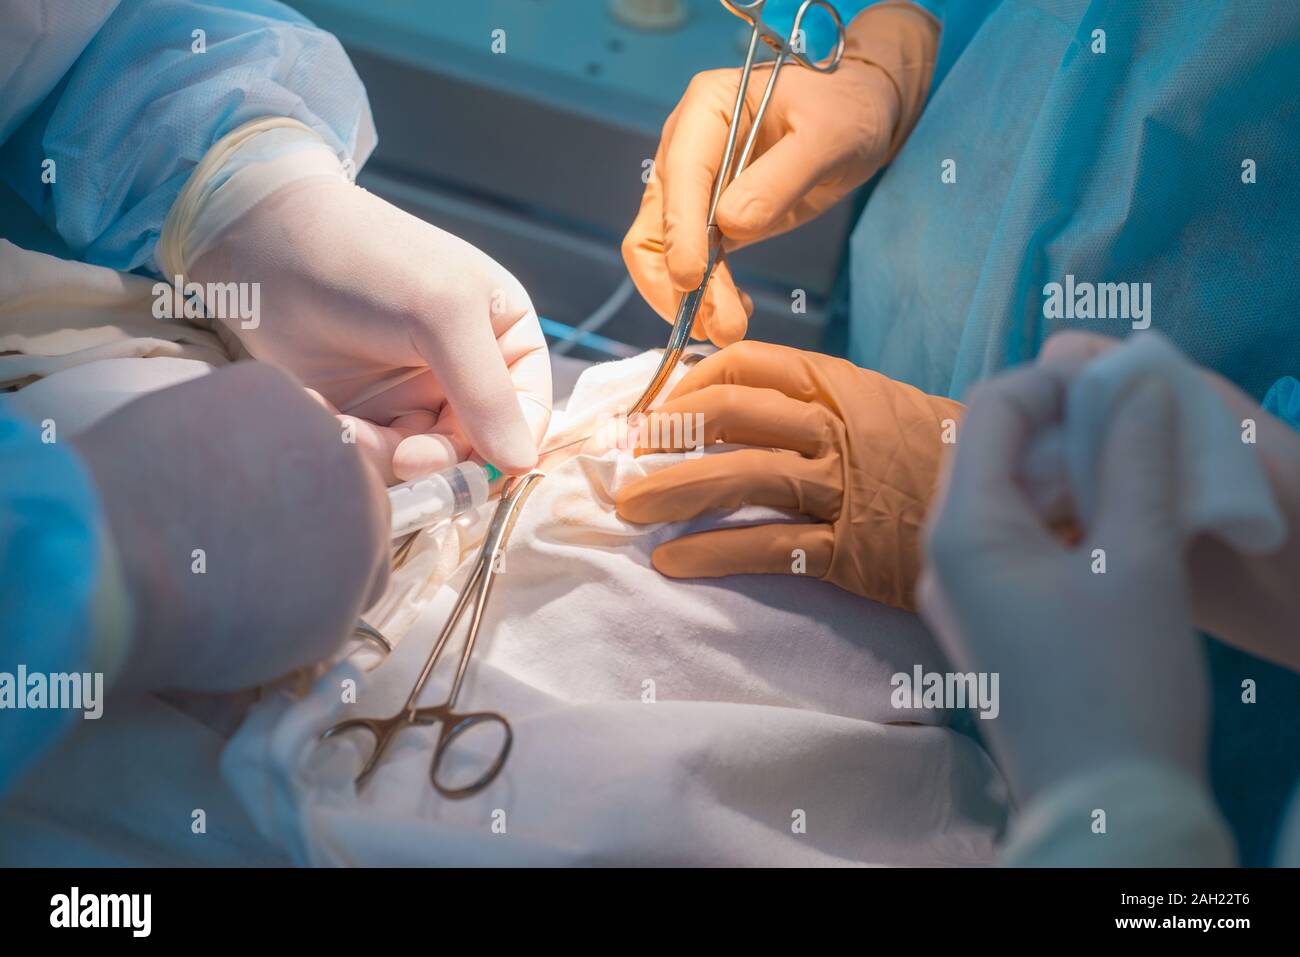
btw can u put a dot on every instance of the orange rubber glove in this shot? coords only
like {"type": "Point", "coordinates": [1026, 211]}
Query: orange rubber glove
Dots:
{"type": "Point", "coordinates": [852, 449]}
{"type": "Point", "coordinates": [823, 136]}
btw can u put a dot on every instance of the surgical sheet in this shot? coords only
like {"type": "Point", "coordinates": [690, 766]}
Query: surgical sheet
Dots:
{"type": "Point", "coordinates": [770, 738]}
{"type": "Point", "coordinates": [735, 721]}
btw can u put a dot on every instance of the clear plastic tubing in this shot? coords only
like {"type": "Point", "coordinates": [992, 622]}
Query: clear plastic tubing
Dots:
{"type": "Point", "coordinates": [425, 501]}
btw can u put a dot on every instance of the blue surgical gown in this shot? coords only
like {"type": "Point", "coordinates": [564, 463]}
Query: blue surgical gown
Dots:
{"type": "Point", "coordinates": [49, 564]}
{"type": "Point", "coordinates": [1128, 165]}
{"type": "Point", "coordinates": [116, 94]}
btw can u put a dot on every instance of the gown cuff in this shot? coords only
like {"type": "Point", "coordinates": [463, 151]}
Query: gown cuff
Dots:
{"type": "Point", "coordinates": [1131, 814]}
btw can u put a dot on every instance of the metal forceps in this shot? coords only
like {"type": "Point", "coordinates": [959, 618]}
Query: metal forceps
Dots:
{"type": "Point", "coordinates": [453, 723]}
{"type": "Point", "coordinates": [752, 13]}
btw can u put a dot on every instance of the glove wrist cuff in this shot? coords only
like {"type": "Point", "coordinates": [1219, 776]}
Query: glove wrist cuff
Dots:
{"type": "Point", "coordinates": [237, 172]}
{"type": "Point", "coordinates": [891, 490]}
{"type": "Point", "coordinates": [902, 39]}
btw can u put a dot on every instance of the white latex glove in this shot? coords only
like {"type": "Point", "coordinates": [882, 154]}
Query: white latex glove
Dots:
{"type": "Point", "coordinates": [356, 293]}
{"type": "Point", "coordinates": [293, 526]}
{"type": "Point", "coordinates": [1093, 668]}
{"type": "Point", "coordinates": [1250, 601]}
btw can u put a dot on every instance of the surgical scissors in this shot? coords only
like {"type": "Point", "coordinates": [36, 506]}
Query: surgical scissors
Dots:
{"type": "Point", "coordinates": [752, 13]}
{"type": "Point", "coordinates": [453, 723]}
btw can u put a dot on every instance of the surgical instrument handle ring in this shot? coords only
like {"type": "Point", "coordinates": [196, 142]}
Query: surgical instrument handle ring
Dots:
{"type": "Point", "coordinates": [454, 725]}
{"type": "Point", "coordinates": [477, 589]}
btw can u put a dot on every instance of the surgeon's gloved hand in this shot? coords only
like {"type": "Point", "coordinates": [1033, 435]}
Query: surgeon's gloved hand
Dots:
{"type": "Point", "coordinates": [429, 347]}
{"type": "Point", "coordinates": [822, 137]}
{"type": "Point", "coordinates": [1250, 601]}
{"type": "Point", "coordinates": [854, 451]}
{"type": "Point", "coordinates": [249, 535]}
{"type": "Point", "coordinates": [1095, 668]}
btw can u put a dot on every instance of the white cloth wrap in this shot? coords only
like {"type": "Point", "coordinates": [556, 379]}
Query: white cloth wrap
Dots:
{"type": "Point", "coordinates": [1223, 489]}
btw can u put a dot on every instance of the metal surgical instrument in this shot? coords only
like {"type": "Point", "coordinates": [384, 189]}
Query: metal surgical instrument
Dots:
{"type": "Point", "coordinates": [453, 723]}
{"type": "Point", "coordinates": [689, 307]}
{"type": "Point", "coordinates": [752, 13]}
{"type": "Point", "coordinates": [479, 585]}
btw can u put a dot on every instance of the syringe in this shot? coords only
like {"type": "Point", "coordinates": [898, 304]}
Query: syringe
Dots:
{"type": "Point", "coordinates": [422, 502]}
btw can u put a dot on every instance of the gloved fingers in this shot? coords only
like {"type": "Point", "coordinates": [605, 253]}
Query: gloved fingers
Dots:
{"type": "Point", "coordinates": [730, 480]}
{"type": "Point", "coordinates": [467, 361]}
{"type": "Point", "coordinates": [416, 439]}
{"type": "Point", "coordinates": [981, 499]}
{"type": "Point", "coordinates": [429, 444]}
{"type": "Point", "coordinates": [376, 443]}
{"type": "Point", "coordinates": [761, 202]}
{"type": "Point", "coordinates": [1143, 433]}
{"type": "Point", "coordinates": [422, 395]}
{"type": "Point", "coordinates": [724, 315]}
{"type": "Point", "coordinates": [418, 455]}
{"type": "Point", "coordinates": [1044, 474]}
{"type": "Point", "coordinates": [743, 415]}
{"type": "Point", "coordinates": [759, 364]}
{"type": "Point", "coordinates": [410, 446]}
{"type": "Point", "coordinates": [1076, 344]}
{"type": "Point", "coordinates": [778, 549]}
{"type": "Point", "coordinates": [643, 254]}
{"type": "Point", "coordinates": [1137, 478]}
{"type": "Point", "coordinates": [690, 153]}
{"type": "Point", "coordinates": [523, 346]}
